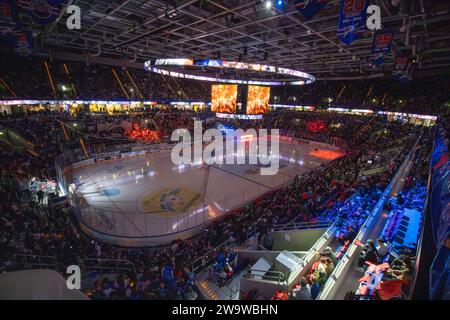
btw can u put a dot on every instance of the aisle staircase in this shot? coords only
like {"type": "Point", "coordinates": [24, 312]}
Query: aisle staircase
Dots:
{"type": "Point", "coordinates": [7, 87]}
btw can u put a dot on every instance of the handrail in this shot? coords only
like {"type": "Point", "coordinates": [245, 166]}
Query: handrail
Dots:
{"type": "Point", "coordinates": [277, 275]}
{"type": "Point", "coordinates": [209, 256]}
{"type": "Point", "coordinates": [262, 247]}
{"type": "Point", "coordinates": [233, 291]}
{"type": "Point", "coordinates": [117, 268]}
{"type": "Point", "coordinates": [251, 230]}
{"type": "Point", "coordinates": [426, 212]}
{"type": "Point", "coordinates": [301, 225]}
{"type": "Point", "coordinates": [51, 263]}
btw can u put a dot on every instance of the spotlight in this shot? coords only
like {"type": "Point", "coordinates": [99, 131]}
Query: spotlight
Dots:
{"type": "Point", "coordinates": [280, 4]}
{"type": "Point", "coordinates": [268, 4]}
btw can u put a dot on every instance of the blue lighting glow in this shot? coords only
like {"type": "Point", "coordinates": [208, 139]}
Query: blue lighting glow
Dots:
{"type": "Point", "coordinates": [280, 4]}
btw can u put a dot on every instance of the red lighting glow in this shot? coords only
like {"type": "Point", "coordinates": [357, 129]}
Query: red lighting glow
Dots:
{"type": "Point", "coordinates": [326, 154]}
{"type": "Point", "coordinates": [316, 126]}
{"type": "Point", "coordinates": [143, 135]}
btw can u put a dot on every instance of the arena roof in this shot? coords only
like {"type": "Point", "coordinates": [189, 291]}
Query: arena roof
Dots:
{"type": "Point", "coordinates": [247, 30]}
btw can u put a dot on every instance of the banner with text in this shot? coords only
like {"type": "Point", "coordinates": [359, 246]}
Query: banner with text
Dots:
{"type": "Point", "coordinates": [23, 43]}
{"type": "Point", "coordinates": [352, 20]}
{"type": "Point", "coordinates": [382, 41]}
{"type": "Point", "coordinates": [403, 69]}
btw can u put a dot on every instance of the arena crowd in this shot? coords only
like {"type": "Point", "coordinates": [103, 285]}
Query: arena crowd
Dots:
{"type": "Point", "coordinates": [30, 226]}
{"type": "Point", "coordinates": [26, 79]}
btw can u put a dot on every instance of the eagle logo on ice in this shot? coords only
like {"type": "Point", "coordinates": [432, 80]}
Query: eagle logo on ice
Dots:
{"type": "Point", "coordinates": [169, 201]}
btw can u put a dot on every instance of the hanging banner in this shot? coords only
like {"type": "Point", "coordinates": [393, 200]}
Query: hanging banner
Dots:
{"type": "Point", "coordinates": [382, 41]}
{"type": "Point", "coordinates": [403, 69]}
{"type": "Point", "coordinates": [42, 11]}
{"type": "Point", "coordinates": [352, 20]}
{"type": "Point", "coordinates": [377, 60]}
{"type": "Point", "coordinates": [400, 64]}
{"type": "Point", "coordinates": [309, 8]}
{"type": "Point", "coordinates": [23, 43]}
{"type": "Point", "coordinates": [9, 19]}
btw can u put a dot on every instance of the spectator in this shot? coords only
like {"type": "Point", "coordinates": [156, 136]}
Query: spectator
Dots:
{"type": "Point", "coordinates": [319, 275]}
{"type": "Point", "coordinates": [329, 266]}
{"type": "Point", "coordinates": [369, 254]}
{"type": "Point", "coordinates": [382, 248]}
{"type": "Point", "coordinates": [303, 292]}
{"type": "Point", "coordinates": [268, 241]}
{"type": "Point", "coordinates": [401, 269]}
{"type": "Point", "coordinates": [328, 253]}
{"type": "Point", "coordinates": [190, 294]}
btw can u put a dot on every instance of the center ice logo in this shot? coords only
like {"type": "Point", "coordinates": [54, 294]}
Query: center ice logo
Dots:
{"type": "Point", "coordinates": [170, 201]}
{"type": "Point", "coordinates": [235, 152]}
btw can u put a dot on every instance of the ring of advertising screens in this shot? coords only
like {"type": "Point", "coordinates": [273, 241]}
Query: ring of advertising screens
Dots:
{"type": "Point", "coordinates": [224, 98]}
{"type": "Point", "coordinates": [258, 99]}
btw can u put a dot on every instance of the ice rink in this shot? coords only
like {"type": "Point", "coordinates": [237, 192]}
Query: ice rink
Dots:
{"type": "Point", "coordinates": [148, 200]}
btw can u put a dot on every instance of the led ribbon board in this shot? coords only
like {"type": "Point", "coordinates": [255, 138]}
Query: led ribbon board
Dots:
{"type": "Point", "coordinates": [158, 65]}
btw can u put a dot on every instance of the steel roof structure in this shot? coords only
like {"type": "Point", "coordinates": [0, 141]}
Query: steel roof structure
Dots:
{"type": "Point", "coordinates": [247, 30]}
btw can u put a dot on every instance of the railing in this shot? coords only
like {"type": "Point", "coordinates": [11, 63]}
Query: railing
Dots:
{"type": "Point", "coordinates": [29, 261]}
{"type": "Point", "coordinates": [208, 257]}
{"type": "Point", "coordinates": [312, 253]}
{"type": "Point", "coordinates": [301, 226]}
{"type": "Point", "coordinates": [205, 260]}
{"type": "Point", "coordinates": [107, 265]}
{"type": "Point", "coordinates": [277, 276]}
{"type": "Point", "coordinates": [234, 291]}
{"type": "Point", "coordinates": [420, 242]}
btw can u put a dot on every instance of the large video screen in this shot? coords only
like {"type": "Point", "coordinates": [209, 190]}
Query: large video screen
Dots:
{"type": "Point", "coordinates": [224, 98]}
{"type": "Point", "coordinates": [258, 100]}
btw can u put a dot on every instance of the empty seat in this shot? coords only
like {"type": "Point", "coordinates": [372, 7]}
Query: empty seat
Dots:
{"type": "Point", "coordinates": [398, 240]}
{"type": "Point", "coordinates": [401, 234]}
